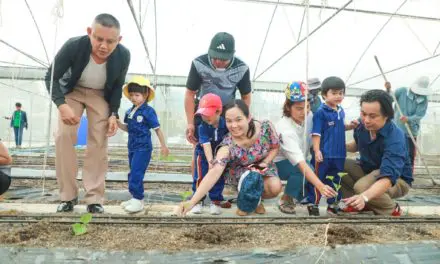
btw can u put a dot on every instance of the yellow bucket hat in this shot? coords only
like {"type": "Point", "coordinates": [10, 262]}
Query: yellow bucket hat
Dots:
{"type": "Point", "coordinates": [142, 81]}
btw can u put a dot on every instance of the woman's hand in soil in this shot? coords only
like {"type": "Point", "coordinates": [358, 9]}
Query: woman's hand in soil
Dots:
{"type": "Point", "coordinates": [183, 208]}
{"type": "Point", "coordinates": [355, 201]}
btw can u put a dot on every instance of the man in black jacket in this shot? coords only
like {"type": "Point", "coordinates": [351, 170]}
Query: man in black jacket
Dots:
{"type": "Point", "coordinates": [88, 73]}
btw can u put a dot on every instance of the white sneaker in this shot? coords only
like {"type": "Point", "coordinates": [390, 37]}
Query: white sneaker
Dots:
{"type": "Point", "coordinates": [126, 203]}
{"type": "Point", "coordinates": [197, 209]}
{"type": "Point", "coordinates": [135, 206]}
{"type": "Point", "coordinates": [214, 209]}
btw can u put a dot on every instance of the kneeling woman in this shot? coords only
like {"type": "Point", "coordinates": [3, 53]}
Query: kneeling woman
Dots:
{"type": "Point", "coordinates": [295, 146]}
{"type": "Point", "coordinates": [248, 151]}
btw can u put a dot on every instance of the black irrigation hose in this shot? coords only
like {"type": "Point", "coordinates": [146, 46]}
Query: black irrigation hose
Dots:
{"type": "Point", "coordinates": [220, 218]}
{"type": "Point", "coordinates": [293, 222]}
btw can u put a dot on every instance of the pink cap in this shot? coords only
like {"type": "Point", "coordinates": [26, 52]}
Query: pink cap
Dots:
{"type": "Point", "coordinates": [209, 105]}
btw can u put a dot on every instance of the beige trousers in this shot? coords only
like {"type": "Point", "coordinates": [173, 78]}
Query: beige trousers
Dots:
{"type": "Point", "coordinates": [357, 182]}
{"type": "Point", "coordinates": [95, 160]}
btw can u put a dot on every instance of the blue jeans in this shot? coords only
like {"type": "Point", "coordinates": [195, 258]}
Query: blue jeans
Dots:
{"type": "Point", "coordinates": [18, 133]}
{"type": "Point", "coordinates": [294, 177]}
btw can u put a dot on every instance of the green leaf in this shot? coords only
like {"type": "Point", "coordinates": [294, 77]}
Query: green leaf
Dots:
{"type": "Point", "coordinates": [79, 229]}
{"type": "Point", "coordinates": [185, 195]}
{"type": "Point", "coordinates": [342, 174]}
{"type": "Point", "coordinates": [86, 218]}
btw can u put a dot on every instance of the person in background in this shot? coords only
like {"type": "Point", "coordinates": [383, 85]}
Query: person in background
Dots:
{"type": "Point", "coordinates": [314, 85]}
{"type": "Point", "coordinates": [413, 102]}
{"type": "Point", "coordinates": [19, 122]}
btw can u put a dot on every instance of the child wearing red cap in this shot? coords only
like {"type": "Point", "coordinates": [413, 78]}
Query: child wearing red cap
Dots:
{"type": "Point", "coordinates": [211, 133]}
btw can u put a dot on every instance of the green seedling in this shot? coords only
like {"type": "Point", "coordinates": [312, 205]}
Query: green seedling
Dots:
{"type": "Point", "coordinates": [184, 197]}
{"type": "Point", "coordinates": [337, 185]}
{"type": "Point", "coordinates": [81, 227]}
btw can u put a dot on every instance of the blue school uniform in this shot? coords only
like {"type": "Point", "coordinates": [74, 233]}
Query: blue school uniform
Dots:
{"type": "Point", "coordinates": [329, 124]}
{"type": "Point", "coordinates": [139, 123]}
{"type": "Point", "coordinates": [214, 136]}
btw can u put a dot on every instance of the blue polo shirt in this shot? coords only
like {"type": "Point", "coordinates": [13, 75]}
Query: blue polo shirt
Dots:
{"type": "Point", "coordinates": [213, 135]}
{"type": "Point", "coordinates": [329, 124]}
{"type": "Point", "coordinates": [388, 152]}
{"type": "Point", "coordinates": [139, 124]}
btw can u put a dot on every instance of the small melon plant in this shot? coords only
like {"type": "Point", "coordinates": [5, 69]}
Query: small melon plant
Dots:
{"type": "Point", "coordinates": [81, 227]}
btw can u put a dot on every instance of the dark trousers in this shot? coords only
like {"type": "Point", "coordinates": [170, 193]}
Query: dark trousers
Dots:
{"type": "Point", "coordinates": [325, 169]}
{"type": "Point", "coordinates": [201, 168]}
{"type": "Point", "coordinates": [412, 151]}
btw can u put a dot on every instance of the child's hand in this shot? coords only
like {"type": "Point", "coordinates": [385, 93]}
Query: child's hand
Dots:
{"type": "Point", "coordinates": [164, 151]}
{"type": "Point", "coordinates": [354, 123]}
{"type": "Point", "coordinates": [318, 156]}
{"type": "Point", "coordinates": [210, 166]}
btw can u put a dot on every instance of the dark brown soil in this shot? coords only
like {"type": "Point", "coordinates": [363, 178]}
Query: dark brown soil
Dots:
{"type": "Point", "coordinates": [218, 237]}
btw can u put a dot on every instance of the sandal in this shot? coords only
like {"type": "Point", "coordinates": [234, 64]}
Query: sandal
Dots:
{"type": "Point", "coordinates": [287, 206]}
{"type": "Point", "coordinates": [241, 213]}
{"type": "Point", "coordinates": [260, 209]}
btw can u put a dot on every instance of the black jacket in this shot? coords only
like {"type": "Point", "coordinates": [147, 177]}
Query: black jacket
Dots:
{"type": "Point", "coordinates": [70, 62]}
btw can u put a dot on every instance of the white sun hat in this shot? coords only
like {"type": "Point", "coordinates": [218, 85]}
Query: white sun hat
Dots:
{"type": "Point", "coordinates": [421, 86]}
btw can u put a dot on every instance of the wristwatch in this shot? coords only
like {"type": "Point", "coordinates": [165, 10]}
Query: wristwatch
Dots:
{"type": "Point", "coordinates": [365, 198]}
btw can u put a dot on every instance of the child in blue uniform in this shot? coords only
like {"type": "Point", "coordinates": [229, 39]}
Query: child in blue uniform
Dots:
{"type": "Point", "coordinates": [211, 132]}
{"type": "Point", "coordinates": [138, 120]}
{"type": "Point", "coordinates": [328, 136]}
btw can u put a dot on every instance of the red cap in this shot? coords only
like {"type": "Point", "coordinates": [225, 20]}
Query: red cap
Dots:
{"type": "Point", "coordinates": [209, 104]}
